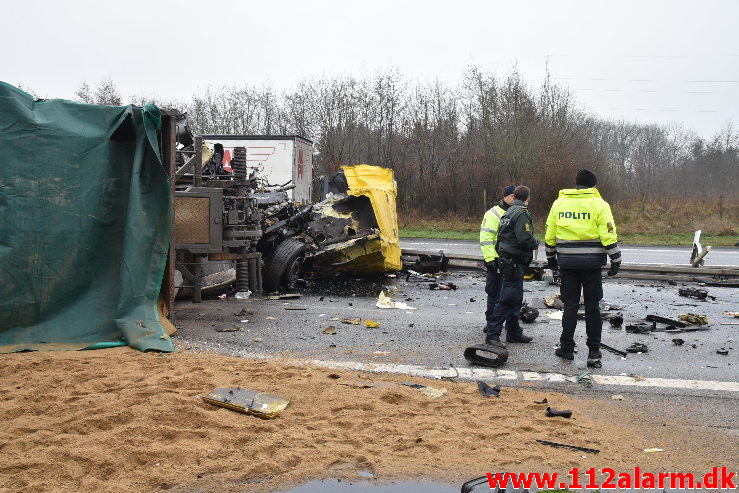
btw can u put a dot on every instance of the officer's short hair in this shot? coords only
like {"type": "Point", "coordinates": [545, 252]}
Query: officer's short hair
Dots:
{"type": "Point", "coordinates": [521, 193]}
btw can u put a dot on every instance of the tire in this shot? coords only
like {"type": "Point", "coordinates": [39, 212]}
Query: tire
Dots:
{"type": "Point", "coordinates": [284, 266]}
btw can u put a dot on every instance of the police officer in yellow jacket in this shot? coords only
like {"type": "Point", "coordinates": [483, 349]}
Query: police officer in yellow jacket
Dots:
{"type": "Point", "coordinates": [488, 237]}
{"type": "Point", "coordinates": [580, 233]}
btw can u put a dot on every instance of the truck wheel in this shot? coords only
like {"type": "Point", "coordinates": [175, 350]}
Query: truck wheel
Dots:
{"type": "Point", "coordinates": [283, 267]}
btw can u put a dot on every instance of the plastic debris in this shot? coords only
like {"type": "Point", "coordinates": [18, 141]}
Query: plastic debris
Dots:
{"type": "Point", "coordinates": [555, 413]}
{"type": "Point", "coordinates": [385, 302]}
{"type": "Point", "coordinates": [440, 286]}
{"type": "Point", "coordinates": [486, 390]}
{"type": "Point", "coordinates": [693, 319]}
{"type": "Point", "coordinates": [331, 330]}
{"type": "Point", "coordinates": [247, 401]}
{"type": "Point", "coordinates": [555, 315]}
{"type": "Point", "coordinates": [223, 296]}
{"type": "Point", "coordinates": [652, 450]}
{"type": "Point", "coordinates": [351, 321]}
{"type": "Point", "coordinates": [258, 339]}
{"type": "Point", "coordinates": [371, 323]}
{"type": "Point", "coordinates": [241, 295]}
{"type": "Point", "coordinates": [270, 318]}
{"type": "Point", "coordinates": [585, 378]}
{"type": "Point", "coordinates": [617, 397]}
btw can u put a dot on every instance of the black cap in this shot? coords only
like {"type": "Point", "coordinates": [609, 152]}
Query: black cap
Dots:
{"type": "Point", "coordinates": [509, 190]}
{"type": "Point", "coordinates": [586, 178]}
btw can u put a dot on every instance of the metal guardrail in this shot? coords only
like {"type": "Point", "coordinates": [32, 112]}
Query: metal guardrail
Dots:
{"type": "Point", "coordinates": [629, 271]}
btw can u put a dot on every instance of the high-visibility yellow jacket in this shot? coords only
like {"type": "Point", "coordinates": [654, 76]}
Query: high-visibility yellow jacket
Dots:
{"type": "Point", "coordinates": [581, 230]}
{"type": "Point", "coordinates": [489, 230]}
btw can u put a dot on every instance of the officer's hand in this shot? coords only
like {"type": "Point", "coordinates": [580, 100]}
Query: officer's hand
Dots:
{"type": "Point", "coordinates": [615, 266]}
{"type": "Point", "coordinates": [552, 263]}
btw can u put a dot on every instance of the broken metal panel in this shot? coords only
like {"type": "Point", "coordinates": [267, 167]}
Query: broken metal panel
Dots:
{"type": "Point", "coordinates": [247, 401]}
{"type": "Point", "coordinates": [379, 185]}
{"type": "Point", "coordinates": [359, 256]}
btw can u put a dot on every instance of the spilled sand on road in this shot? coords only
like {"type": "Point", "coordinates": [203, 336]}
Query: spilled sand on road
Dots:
{"type": "Point", "coordinates": [122, 420]}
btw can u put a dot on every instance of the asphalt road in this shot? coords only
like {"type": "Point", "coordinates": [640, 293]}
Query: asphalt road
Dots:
{"type": "Point", "coordinates": [445, 322]}
{"type": "Point", "coordinates": [718, 256]}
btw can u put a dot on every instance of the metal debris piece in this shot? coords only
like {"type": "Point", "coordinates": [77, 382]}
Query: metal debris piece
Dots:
{"type": "Point", "coordinates": [486, 390]}
{"type": "Point", "coordinates": [652, 450]}
{"type": "Point", "coordinates": [616, 320]}
{"type": "Point", "coordinates": [638, 347]}
{"type": "Point", "coordinates": [247, 401]}
{"type": "Point", "coordinates": [693, 319]}
{"type": "Point", "coordinates": [331, 330]}
{"type": "Point", "coordinates": [554, 413]}
{"type": "Point", "coordinates": [640, 328]}
{"type": "Point", "coordinates": [665, 320]}
{"type": "Point", "coordinates": [700, 294]}
{"type": "Point", "coordinates": [528, 313]}
{"type": "Point", "coordinates": [571, 447]}
{"type": "Point", "coordinates": [296, 308]}
{"type": "Point", "coordinates": [678, 342]}
{"type": "Point", "coordinates": [613, 350]}
{"type": "Point", "coordinates": [554, 302]}
{"type": "Point", "coordinates": [351, 321]}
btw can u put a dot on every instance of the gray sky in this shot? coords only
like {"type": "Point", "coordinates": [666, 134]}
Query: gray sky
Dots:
{"type": "Point", "coordinates": [648, 61]}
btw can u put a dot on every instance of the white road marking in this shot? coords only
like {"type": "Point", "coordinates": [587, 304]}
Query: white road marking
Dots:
{"type": "Point", "coordinates": [526, 376]}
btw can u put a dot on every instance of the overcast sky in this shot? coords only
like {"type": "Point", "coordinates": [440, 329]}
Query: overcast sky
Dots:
{"type": "Point", "coordinates": [648, 61]}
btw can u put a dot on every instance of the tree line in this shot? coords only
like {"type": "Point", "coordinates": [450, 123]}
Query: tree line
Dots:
{"type": "Point", "coordinates": [451, 146]}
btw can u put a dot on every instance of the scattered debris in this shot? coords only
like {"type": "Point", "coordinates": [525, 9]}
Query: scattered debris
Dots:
{"type": "Point", "coordinates": [553, 413]}
{"type": "Point", "coordinates": [432, 392]}
{"type": "Point", "coordinates": [331, 330]}
{"type": "Point", "coordinates": [270, 318]}
{"type": "Point", "coordinates": [585, 378]}
{"type": "Point", "coordinates": [613, 350]}
{"type": "Point", "coordinates": [296, 308]}
{"type": "Point", "coordinates": [700, 294]}
{"type": "Point", "coordinates": [371, 323]}
{"type": "Point", "coordinates": [428, 264]}
{"type": "Point", "coordinates": [229, 329]}
{"type": "Point", "coordinates": [528, 313]}
{"type": "Point", "coordinates": [678, 342]}
{"type": "Point", "coordinates": [439, 286]}
{"type": "Point", "coordinates": [640, 328]}
{"type": "Point", "coordinates": [334, 376]}
{"type": "Point", "coordinates": [243, 313]}
{"type": "Point", "coordinates": [637, 347]}
{"type": "Point", "coordinates": [617, 397]}
{"type": "Point", "coordinates": [258, 339]}
{"type": "Point", "coordinates": [223, 296]}
{"type": "Point", "coordinates": [732, 314]}
{"type": "Point", "coordinates": [665, 320]}
{"type": "Point", "coordinates": [492, 355]}
{"type": "Point", "coordinates": [486, 390]}
{"type": "Point", "coordinates": [637, 377]}
{"type": "Point", "coordinates": [287, 296]}
{"type": "Point", "coordinates": [385, 302]}
{"type": "Point", "coordinates": [351, 321]}
{"type": "Point", "coordinates": [544, 401]}
{"type": "Point", "coordinates": [616, 320]}
{"type": "Point", "coordinates": [413, 385]}
{"type": "Point", "coordinates": [571, 447]}
{"type": "Point", "coordinates": [729, 323]}
{"type": "Point", "coordinates": [722, 352]}
{"type": "Point", "coordinates": [241, 295]}
{"type": "Point", "coordinates": [247, 401]}
{"type": "Point", "coordinates": [554, 302]}
{"type": "Point", "coordinates": [652, 450]}
{"type": "Point", "coordinates": [555, 315]}
{"type": "Point", "coordinates": [693, 319]}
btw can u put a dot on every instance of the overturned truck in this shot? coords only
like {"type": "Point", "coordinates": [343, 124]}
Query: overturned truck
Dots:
{"type": "Point", "coordinates": [233, 227]}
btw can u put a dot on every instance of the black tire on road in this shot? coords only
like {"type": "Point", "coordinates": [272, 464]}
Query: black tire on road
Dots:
{"type": "Point", "coordinates": [284, 266]}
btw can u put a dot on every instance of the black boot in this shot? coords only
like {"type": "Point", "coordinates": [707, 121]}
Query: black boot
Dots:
{"type": "Point", "coordinates": [518, 338]}
{"type": "Point", "coordinates": [564, 353]}
{"type": "Point", "coordinates": [594, 358]}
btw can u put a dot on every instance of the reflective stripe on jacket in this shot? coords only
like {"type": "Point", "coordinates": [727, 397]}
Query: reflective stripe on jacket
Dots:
{"type": "Point", "coordinates": [489, 232]}
{"type": "Point", "coordinates": [581, 230]}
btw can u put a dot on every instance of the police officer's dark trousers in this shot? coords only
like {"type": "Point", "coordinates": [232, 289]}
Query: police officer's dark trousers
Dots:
{"type": "Point", "coordinates": [508, 307]}
{"type": "Point", "coordinates": [573, 282]}
{"type": "Point", "coordinates": [493, 282]}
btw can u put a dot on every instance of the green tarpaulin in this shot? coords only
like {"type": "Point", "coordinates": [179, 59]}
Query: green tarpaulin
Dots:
{"type": "Point", "coordinates": [84, 224]}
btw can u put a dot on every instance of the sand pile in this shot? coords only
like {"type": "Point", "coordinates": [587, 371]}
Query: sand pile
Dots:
{"type": "Point", "coordinates": [121, 420]}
